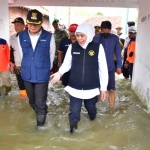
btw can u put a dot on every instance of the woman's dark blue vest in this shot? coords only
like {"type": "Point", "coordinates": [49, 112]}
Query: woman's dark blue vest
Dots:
{"type": "Point", "coordinates": [84, 69]}
{"type": "Point", "coordinates": [35, 66]}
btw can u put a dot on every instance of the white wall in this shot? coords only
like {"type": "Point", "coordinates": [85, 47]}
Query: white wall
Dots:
{"type": "Point", "coordinates": [141, 74]}
{"type": "Point", "coordinates": [4, 20]}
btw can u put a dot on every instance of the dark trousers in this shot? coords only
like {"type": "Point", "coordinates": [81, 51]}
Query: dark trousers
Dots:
{"type": "Point", "coordinates": [131, 70]}
{"type": "Point", "coordinates": [37, 93]}
{"type": "Point", "coordinates": [20, 82]}
{"type": "Point", "coordinates": [125, 71]}
{"type": "Point", "coordinates": [75, 108]}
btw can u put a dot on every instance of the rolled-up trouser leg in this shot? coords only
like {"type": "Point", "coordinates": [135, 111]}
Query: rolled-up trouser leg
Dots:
{"type": "Point", "coordinates": [75, 109]}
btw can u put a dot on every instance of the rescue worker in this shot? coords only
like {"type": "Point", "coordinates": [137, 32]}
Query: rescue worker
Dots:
{"type": "Point", "coordinates": [38, 50]}
{"type": "Point", "coordinates": [88, 74]}
{"type": "Point", "coordinates": [131, 49]}
{"type": "Point", "coordinates": [15, 57]}
{"type": "Point", "coordinates": [111, 46]}
{"type": "Point", "coordinates": [4, 65]}
{"type": "Point", "coordinates": [58, 35]}
{"type": "Point", "coordinates": [125, 66]}
{"type": "Point", "coordinates": [62, 49]}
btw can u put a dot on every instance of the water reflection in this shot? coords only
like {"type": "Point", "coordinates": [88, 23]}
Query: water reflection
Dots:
{"type": "Point", "coordinates": [127, 127]}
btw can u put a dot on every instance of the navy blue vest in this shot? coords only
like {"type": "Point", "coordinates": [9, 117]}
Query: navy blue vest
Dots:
{"type": "Point", "coordinates": [35, 66]}
{"type": "Point", "coordinates": [84, 69]}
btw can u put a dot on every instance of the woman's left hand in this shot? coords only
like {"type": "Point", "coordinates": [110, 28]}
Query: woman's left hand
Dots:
{"type": "Point", "coordinates": [103, 95]}
{"type": "Point", "coordinates": [56, 77]}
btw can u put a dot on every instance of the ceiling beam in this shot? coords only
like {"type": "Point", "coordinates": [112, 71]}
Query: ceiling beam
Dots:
{"type": "Point", "coordinates": [79, 3]}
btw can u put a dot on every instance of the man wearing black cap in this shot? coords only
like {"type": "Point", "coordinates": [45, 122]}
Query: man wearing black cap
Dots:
{"type": "Point", "coordinates": [111, 46]}
{"type": "Point", "coordinates": [38, 50]}
{"type": "Point", "coordinates": [130, 23]}
{"type": "Point", "coordinates": [15, 58]}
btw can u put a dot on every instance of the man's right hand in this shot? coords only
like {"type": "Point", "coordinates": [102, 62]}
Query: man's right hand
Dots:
{"type": "Point", "coordinates": [11, 67]}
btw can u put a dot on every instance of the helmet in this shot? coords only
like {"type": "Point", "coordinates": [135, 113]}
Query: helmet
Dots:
{"type": "Point", "coordinates": [132, 29]}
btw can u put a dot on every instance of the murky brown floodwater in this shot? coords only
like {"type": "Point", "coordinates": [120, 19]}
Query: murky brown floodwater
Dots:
{"type": "Point", "coordinates": [125, 128]}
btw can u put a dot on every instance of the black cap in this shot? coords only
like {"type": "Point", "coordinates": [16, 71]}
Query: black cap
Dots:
{"type": "Point", "coordinates": [131, 23]}
{"type": "Point", "coordinates": [19, 20]}
{"type": "Point", "coordinates": [34, 17]}
{"type": "Point", "coordinates": [106, 25]}
{"type": "Point", "coordinates": [55, 21]}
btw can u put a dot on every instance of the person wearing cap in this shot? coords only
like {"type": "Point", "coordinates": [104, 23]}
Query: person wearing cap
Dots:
{"type": "Point", "coordinates": [120, 35]}
{"type": "Point", "coordinates": [37, 47]}
{"type": "Point", "coordinates": [4, 67]}
{"type": "Point", "coordinates": [15, 57]}
{"type": "Point", "coordinates": [111, 46]}
{"type": "Point", "coordinates": [130, 23]}
{"type": "Point", "coordinates": [97, 29]}
{"type": "Point", "coordinates": [125, 68]}
{"type": "Point", "coordinates": [62, 49]}
{"type": "Point", "coordinates": [58, 35]}
{"type": "Point", "coordinates": [88, 74]}
{"type": "Point", "coordinates": [131, 49]}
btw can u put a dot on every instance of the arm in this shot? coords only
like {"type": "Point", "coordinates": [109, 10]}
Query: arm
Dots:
{"type": "Point", "coordinates": [60, 53]}
{"type": "Point", "coordinates": [118, 56]}
{"type": "Point", "coordinates": [103, 72]}
{"type": "Point", "coordinates": [60, 58]}
{"type": "Point", "coordinates": [66, 65]}
{"type": "Point", "coordinates": [52, 50]}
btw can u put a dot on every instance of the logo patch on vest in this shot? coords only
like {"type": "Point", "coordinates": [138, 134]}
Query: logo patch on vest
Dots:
{"type": "Point", "coordinates": [91, 53]}
{"type": "Point", "coordinates": [76, 52]}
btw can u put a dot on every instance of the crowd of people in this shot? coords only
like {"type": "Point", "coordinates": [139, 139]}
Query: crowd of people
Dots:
{"type": "Point", "coordinates": [84, 58]}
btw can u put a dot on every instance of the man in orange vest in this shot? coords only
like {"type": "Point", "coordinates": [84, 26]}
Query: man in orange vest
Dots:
{"type": "Point", "coordinates": [131, 49]}
{"type": "Point", "coordinates": [4, 65]}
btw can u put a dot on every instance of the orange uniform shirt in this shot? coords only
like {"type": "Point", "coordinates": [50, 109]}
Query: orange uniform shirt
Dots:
{"type": "Point", "coordinates": [4, 55]}
{"type": "Point", "coordinates": [131, 50]}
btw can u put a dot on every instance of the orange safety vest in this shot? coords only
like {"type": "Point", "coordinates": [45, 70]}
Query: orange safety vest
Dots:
{"type": "Point", "coordinates": [131, 49]}
{"type": "Point", "coordinates": [4, 55]}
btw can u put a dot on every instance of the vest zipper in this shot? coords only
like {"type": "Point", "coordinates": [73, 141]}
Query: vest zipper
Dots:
{"type": "Point", "coordinates": [83, 68]}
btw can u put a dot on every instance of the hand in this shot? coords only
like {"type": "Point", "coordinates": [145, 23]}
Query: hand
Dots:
{"type": "Point", "coordinates": [56, 77]}
{"type": "Point", "coordinates": [11, 67]}
{"type": "Point", "coordinates": [118, 71]}
{"type": "Point", "coordinates": [103, 95]}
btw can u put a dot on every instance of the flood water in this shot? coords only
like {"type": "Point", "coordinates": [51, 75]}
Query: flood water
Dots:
{"type": "Point", "coordinates": [127, 127]}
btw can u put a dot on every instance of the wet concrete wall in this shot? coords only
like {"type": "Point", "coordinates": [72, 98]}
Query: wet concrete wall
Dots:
{"type": "Point", "coordinates": [141, 75]}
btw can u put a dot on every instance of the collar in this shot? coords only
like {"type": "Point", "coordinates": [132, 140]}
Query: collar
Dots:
{"type": "Point", "coordinates": [37, 34]}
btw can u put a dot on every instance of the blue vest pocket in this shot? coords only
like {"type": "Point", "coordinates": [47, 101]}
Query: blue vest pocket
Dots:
{"type": "Point", "coordinates": [43, 71]}
{"type": "Point", "coordinates": [25, 71]}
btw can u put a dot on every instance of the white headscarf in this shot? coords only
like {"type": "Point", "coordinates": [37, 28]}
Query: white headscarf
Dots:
{"type": "Point", "coordinates": [88, 30]}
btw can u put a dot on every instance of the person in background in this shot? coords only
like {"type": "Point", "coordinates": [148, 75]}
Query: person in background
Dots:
{"type": "Point", "coordinates": [131, 49]}
{"type": "Point", "coordinates": [37, 52]}
{"type": "Point", "coordinates": [97, 29]}
{"type": "Point", "coordinates": [111, 46]}
{"type": "Point", "coordinates": [62, 49]}
{"type": "Point", "coordinates": [120, 35]}
{"type": "Point", "coordinates": [88, 74]}
{"type": "Point", "coordinates": [15, 54]}
{"type": "Point", "coordinates": [58, 35]}
{"type": "Point", "coordinates": [4, 65]}
{"type": "Point", "coordinates": [125, 66]}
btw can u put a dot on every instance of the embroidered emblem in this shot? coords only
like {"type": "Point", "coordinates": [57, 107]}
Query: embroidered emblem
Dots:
{"type": "Point", "coordinates": [34, 16]}
{"type": "Point", "coordinates": [91, 53]}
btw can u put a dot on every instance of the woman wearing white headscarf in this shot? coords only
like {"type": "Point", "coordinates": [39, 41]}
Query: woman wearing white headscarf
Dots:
{"type": "Point", "coordinates": [88, 74]}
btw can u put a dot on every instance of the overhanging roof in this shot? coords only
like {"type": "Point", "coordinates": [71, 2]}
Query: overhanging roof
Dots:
{"type": "Point", "coordinates": [81, 3]}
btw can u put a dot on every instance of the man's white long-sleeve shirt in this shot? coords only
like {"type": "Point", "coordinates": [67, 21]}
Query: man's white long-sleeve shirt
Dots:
{"type": "Point", "coordinates": [103, 75]}
{"type": "Point", "coordinates": [34, 39]}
